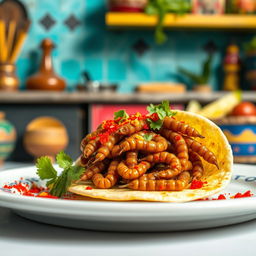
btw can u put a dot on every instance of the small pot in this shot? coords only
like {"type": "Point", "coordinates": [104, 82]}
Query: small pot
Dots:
{"type": "Point", "coordinates": [202, 88]}
{"type": "Point", "coordinates": [90, 85]}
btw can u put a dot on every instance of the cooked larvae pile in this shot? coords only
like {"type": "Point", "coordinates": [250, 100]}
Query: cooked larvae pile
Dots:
{"type": "Point", "coordinates": [127, 152]}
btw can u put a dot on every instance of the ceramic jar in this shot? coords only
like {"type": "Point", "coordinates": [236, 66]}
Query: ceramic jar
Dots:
{"type": "Point", "coordinates": [45, 136]}
{"type": "Point", "coordinates": [7, 138]}
{"type": "Point", "coordinates": [8, 78]}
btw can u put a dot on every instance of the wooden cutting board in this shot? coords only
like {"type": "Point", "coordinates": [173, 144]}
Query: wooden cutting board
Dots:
{"type": "Point", "coordinates": [161, 87]}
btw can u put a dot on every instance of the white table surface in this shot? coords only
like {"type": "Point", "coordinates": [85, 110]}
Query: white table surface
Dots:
{"type": "Point", "coordinates": [20, 236]}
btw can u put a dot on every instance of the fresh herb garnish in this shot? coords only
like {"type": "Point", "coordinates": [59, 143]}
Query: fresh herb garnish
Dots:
{"type": "Point", "coordinates": [161, 111]}
{"type": "Point", "coordinates": [58, 184]}
{"type": "Point", "coordinates": [121, 114]}
{"type": "Point", "coordinates": [148, 136]}
{"type": "Point", "coordinates": [155, 125]}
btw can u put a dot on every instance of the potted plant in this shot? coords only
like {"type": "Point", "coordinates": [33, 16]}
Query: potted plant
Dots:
{"type": "Point", "coordinates": [161, 8]}
{"type": "Point", "coordinates": [250, 64]}
{"type": "Point", "coordinates": [201, 80]}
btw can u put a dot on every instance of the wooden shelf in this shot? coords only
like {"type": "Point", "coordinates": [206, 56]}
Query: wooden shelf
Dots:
{"type": "Point", "coordinates": [65, 98]}
{"type": "Point", "coordinates": [126, 20]}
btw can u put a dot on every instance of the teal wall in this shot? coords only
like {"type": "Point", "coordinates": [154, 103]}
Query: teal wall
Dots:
{"type": "Point", "coordinates": [109, 55]}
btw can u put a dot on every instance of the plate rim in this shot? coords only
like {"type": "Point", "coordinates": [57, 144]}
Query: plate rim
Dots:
{"type": "Point", "coordinates": [76, 207]}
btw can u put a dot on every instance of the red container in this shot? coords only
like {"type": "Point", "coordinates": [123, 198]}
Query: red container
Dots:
{"type": "Point", "coordinates": [127, 5]}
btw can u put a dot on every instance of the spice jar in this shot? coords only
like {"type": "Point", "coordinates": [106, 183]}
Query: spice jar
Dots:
{"type": "Point", "coordinates": [8, 79]}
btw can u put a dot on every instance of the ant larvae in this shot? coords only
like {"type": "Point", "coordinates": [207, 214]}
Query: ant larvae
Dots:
{"type": "Point", "coordinates": [91, 147]}
{"type": "Point", "coordinates": [164, 157]}
{"type": "Point", "coordinates": [177, 126]}
{"type": "Point", "coordinates": [161, 185]}
{"type": "Point", "coordinates": [88, 137]}
{"type": "Point", "coordinates": [197, 169]}
{"type": "Point", "coordinates": [180, 146]}
{"type": "Point", "coordinates": [105, 150]}
{"type": "Point", "coordinates": [132, 127]}
{"type": "Point", "coordinates": [157, 144]}
{"type": "Point", "coordinates": [132, 173]}
{"type": "Point", "coordinates": [131, 158]}
{"type": "Point", "coordinates": [110, 179]}
{"type": "Point", "coordinates": [202, 151]}
{"type": "Point", "coordinates": [96, 168]}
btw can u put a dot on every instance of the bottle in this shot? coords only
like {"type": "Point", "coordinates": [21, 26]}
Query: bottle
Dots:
{"type": "Point", "coordinates": [231, 68]}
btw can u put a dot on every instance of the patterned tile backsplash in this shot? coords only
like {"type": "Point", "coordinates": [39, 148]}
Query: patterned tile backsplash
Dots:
{"type": "Point", "coordinates": [83, 42]}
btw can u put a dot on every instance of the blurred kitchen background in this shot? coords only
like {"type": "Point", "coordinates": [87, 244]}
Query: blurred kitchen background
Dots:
{"type": "Point", "coordinates": [67, 65]}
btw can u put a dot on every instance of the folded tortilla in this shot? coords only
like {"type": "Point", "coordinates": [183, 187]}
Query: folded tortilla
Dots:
{"type": "Point", "coordinates": [216, 179]}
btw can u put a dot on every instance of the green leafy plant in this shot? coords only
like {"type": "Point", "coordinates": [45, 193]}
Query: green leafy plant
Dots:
{"type": "Point", "coordinates": [250, 46]}
{"type": "Point", "coordinates": [204, 76]}
{"type": "Point", "coordinates": [121, 114]}
{"type": "Point", "coordinates": [58, 184]}
{"type": "Point", "coordinates": [161, 8]}
{"type": "Point", "coordinates": [160, 112]}
{"type": "Point", "coordinates": [148, 136]}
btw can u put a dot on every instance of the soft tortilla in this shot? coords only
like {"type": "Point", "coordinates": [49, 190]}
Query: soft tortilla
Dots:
{"type": "Point", "coordinates": [217, 179]}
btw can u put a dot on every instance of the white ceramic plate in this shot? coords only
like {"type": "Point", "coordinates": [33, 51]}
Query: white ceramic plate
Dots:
{"type": "Point", "coordinates": [135, 216]}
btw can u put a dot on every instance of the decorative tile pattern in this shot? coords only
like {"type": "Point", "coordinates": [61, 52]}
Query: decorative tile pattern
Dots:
{"type": "Point", "coordinates": [140, 47]}
{"type": "Point", "coordinates": [47, 21]}
{"type": "Point", "coordinates": [72, 22]}
{"type": "Point", "coordinates": [83, 42]}
{"type": "Point", "coordinates": [210, 47]}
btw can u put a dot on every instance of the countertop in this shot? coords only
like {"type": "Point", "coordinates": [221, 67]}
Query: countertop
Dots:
{"type": "Point", "coordinates": [20, 236]}
{"type": "Point", "coordinates": [42, 97]}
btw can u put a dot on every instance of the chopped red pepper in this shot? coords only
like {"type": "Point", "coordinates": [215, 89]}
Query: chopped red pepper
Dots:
{"type": "Point", "coordinates": [246, 194]}
{"type": "Point", "coordinates": [177, 137]}
{"type": "Point", "coordinates": [104, 137]}
{"type": "Point", "coordinates": [161, 187]}
{"type": "Point", "coordinates": [196, 184]}
{"type": "Point", "coordinates": [154, 117]}
{"type": "Point", "coordinates": [221, 197]}
{"type": "Point", "coordinates": [88, 188]}
{"type": "Point", "coordinates": [156, 157]}
{"type": "Point", "coordinates": [145, 127]}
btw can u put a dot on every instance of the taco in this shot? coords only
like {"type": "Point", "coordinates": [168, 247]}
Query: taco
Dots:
{"type": "Point", "coordinates": [213, 154]}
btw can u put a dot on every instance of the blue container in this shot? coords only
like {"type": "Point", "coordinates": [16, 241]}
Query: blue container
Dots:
{"type": "Point", "coordinates": [241, 134]}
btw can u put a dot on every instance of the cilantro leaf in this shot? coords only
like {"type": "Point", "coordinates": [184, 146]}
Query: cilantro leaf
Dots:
{"type": "Point", "coordinates": [76, 172]}
{"type": "Point", "coordinates": [58, 184]}
{"type": "Point", "coordinates": [151, 109]}
{"type": "Point", "coordinates": [162, 110]}
{"type": "Point", "coordinates": [121, 113]}
{"type": "Point", "coordinates": [50, 182]}
{"type": "Point", "coordinates": [166, 107]}
{"type": "Point", "coordinates": [155, 125]}
{"type": "Point", "coordinates": [59, 187]}
{"type": "Point", "coordinates": [148, 136]}
{"type": "Point", "coordinates": [45, 170]}
{"type": "Point", "coordinates": [63, 160]}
